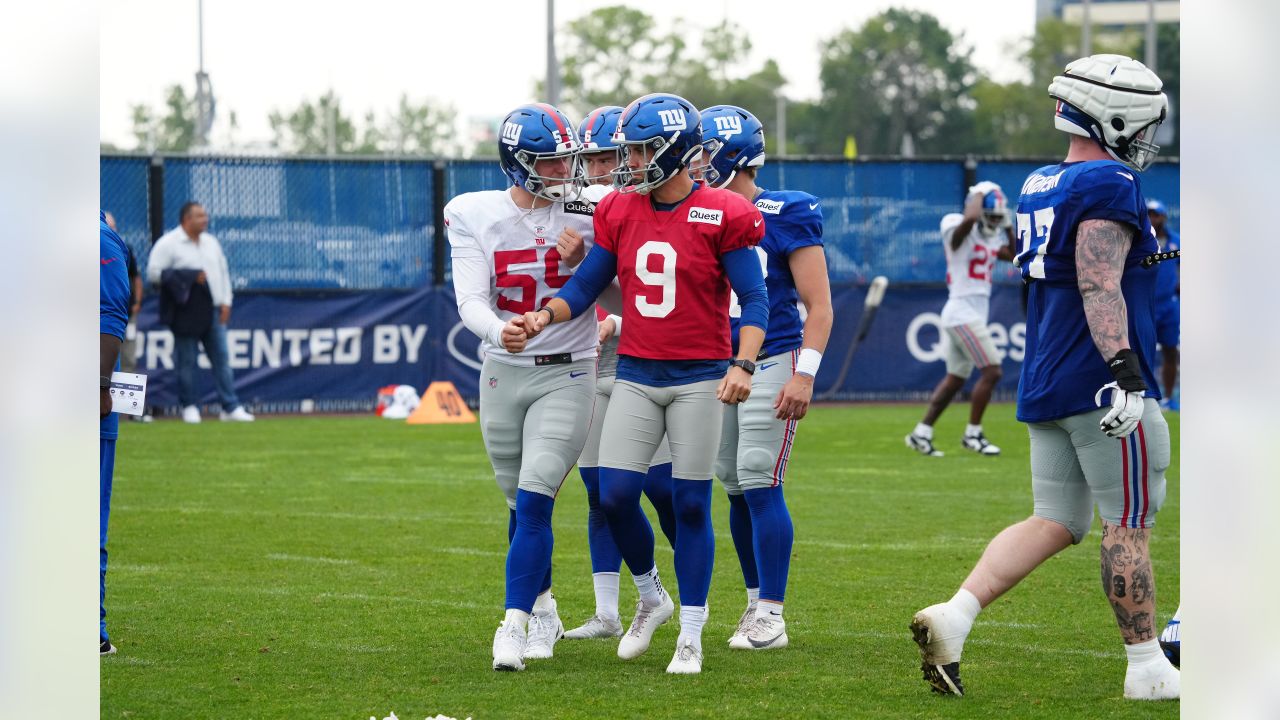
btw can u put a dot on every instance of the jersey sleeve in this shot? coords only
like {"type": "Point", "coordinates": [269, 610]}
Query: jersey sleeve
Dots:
{"type": "Point", "coordinates": [801, 224]}
{"type": "Point", "coordinates": [604, 236]}
{"type": "Point", "coordinates": [1110, 192]}
{"type": "Point", "coordinates": [743, 225]}
{"type": "Point", "coordinates": [113, 284]}
{"type": "Point", "coordinates": [462, 241]}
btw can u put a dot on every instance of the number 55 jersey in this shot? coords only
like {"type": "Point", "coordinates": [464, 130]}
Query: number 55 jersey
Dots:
{"type": "Point", "coordinates": [505, 263]}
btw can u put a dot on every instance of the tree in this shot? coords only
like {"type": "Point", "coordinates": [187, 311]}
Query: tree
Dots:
{"type": "Point", "coordinates": [306, 130]}
{"type": "Point", "coordinates": [611, 56]}
{"type": "Point", "coordinates": [173, 131]}
{"type": "Point", "coordinates": [901, 75]}
{"type": "Point", "coordinates": [1169, 68]}
{"type": "Point", "coordinates": [419, 129]}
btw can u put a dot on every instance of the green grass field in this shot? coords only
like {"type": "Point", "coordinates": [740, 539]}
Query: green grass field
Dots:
{"type": "Point", "coordinates": [348, 568]}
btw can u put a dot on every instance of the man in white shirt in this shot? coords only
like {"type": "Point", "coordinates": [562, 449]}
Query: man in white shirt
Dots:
{"type": "Point", "coordinates": [189, 247]}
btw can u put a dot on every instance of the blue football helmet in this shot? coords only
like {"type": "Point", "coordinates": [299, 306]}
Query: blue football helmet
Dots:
{"type": "Point", "coordinates": [537, 132]}
{"type": "Point", "coordinates": [596, 136]}
{"type": "Point", "coordinates": [669, 127]}
{"type": "Point", "coordinates": [1157, 207]}
{"type": "Point", "coordinates": [995, 206]}
{"type": "Point", "coordinates": [732, 139]}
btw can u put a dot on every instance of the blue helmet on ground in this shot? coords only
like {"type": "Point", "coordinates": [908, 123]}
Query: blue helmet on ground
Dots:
{"type": "Point", "coordinates": [732, 139]}
{"type": "Point", "coordinates": [537, 132]}
{"type": "Point", "coordinates": [669, 128]}
{"type": "Point", "coordinates": [596, 136]}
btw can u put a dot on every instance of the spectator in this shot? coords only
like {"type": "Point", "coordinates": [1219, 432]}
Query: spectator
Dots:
{"type": "Point", "coordinates": [188, 263]}
{"type": "Point", "coordinates": [1168, 302]}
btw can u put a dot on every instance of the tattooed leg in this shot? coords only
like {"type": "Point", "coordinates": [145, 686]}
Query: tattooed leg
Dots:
{"type": "Point", "coordinates": [1128, 582]}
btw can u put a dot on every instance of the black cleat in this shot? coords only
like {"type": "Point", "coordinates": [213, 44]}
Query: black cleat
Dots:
{"type": "Point", "coordinates": [943, 679]}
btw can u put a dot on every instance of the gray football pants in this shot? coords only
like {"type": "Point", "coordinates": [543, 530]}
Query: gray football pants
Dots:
{"type": "Point", "coordinates": [591, 451]}
{"type": "Point", "coordinates": [534, 421]}
{"type": "Point", "coordinates": [754, 444]}
{"type": "Point", "coordinates": [639, 415]}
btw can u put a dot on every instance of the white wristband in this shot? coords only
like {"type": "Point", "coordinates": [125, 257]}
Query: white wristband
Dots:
{"type": "Point", "coordinates": [808, 363]}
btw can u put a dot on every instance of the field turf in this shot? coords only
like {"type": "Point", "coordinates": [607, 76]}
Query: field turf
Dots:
{"type": "Point", "coordinates": [351, 567]}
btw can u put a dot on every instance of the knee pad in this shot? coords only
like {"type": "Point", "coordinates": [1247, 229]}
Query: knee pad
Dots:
{"type": "Point", "coordinates": [544, 472]}
{"type": "Point", "coordinates": [757, 468]}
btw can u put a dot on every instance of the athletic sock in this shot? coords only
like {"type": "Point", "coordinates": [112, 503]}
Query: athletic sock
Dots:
{"type": "Point", "coordinates": [753, 594]}
{"type": "Point", "coordinates": [696, 552]}
{"type": "Point", "coordinates": [965, 605]}
{"type": "Point", "coordinates": [769, 610]}
{"type": "Point", "coordinates": [657, 487]}
{"type": "Point", "coordinates": [692, 618]}
{"type": "Point", "coordinates": [740, 529]}
{"type": "Point", "coordinates": [650, 586]}
{"type": "Point", "coordinates": [972, 430]}
{"type": "Point", "coordinates": [529, 557]}
{"type": "Point", "coordinates": [606, 585]}
{"type": "Point", "coordinates": [620, 492]}
{"type": "Point", "coordinates": [605, 557]}
{"type": "Point", "coordinates": [1144, 652]}
{"type": "Point", "coordinates": [772, 535]}
{"type": "Point", "coordinates": [924, 431]}
{"type": "Point", "coordinates": [544, 603]}
{"type": "Point", "coordinates": [519, 617]}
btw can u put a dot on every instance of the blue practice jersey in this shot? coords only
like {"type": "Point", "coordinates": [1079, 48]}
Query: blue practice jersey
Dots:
{"type": "Point", "coordinates": [113, 300]}
{"type": "Point", "coordinates": [792, 220]}
{"type": "Point", "coordinates": [1168, 277]}
{"type": "Point", "coordinates": [1063, 368]}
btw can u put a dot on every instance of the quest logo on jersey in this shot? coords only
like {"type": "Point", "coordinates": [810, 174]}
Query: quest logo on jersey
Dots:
{"type": "Point", "coordinates": [580, 207]}
{"type": "Point", "coordinates": [773, 207]}
{"type": "Point", "coordinates": [705, 215]}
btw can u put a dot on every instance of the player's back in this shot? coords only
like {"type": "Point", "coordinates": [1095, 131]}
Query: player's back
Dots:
{"type": "Point", "coordinates": [1063, 368]}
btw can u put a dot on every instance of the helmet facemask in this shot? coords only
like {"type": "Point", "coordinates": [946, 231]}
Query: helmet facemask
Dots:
{"type": "Point", "coordinates": [646, 179]}
{"type": "Point", "coordinates": [583, 173]}
{"type": "Point", "coordinates": [555, 189]}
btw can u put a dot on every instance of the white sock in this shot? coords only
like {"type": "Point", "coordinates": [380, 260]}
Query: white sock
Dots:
{"type": "Point", "coordinates": [753, 595]}
{"type": "Point", "coordinates": [650, 587]}
{"type": "Point", "coordinates": [519, 617]}
{"type": "Point", "coordinates": [606, 594]}
{"type": "Point", "coordinates": [966, 607]}
{"type": "Point", "coordinates": [544, 603]}
{"type": "Point", "coordinates": [770, 610]}
{"type": "Point", "coordinates": [1144, 652]}
{"type": "Point", "coordinates": [924, 431]}
{"type": "Point", "coordinates": [972, 430]}
{"type": "Point", "coordinates": [692, 618]}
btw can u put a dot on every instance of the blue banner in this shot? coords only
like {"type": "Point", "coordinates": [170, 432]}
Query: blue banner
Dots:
{"type": "Point", "coordinates": [331, 352]}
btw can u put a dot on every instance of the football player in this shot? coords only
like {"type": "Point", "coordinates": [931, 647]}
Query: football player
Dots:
{"type": "Point", "coordinates": [676, 247]}
{"type": "Point", "coordinates": [755, 443]}
{"type": "Point", "coordinates": [1168, 302]}
{"type": "Point", "coordinates": [972, 242]}
{"type": "Point", "coordinates": [1083, 233]}
{"type": "Point", "coordinates": [597, 160]}
{"type": "Point", "coordinates": [535, 406]}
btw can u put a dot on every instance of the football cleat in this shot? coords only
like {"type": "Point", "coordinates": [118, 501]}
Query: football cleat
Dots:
{"type": "Point", "coordinates": [106, 648]}
{"type": "Point", "coordinates": [979, 444]}
{"type": "Point", "coordinates": [647, 619]}
{"type": "Point", "coordinates": [923, 445]}
{"type": "Point", "coordinates": [764, 634]}
{"type": "Point", "coordinates": [940, 646]}
{"type": "Point", "coordinates": [1171, 642]}
{"type": "Point", "coordinates": [1152, 681]}
{"type": "Point", "coordinates": [544, 630]}
{"type": "Point", "coordinates": [508, 647]}
{"type": "Point", "coordinates": [745, 622]}
{"type": "Point", "coordinates": [596, 627]}
{"type": "Point", "coordinates": [688, 658]}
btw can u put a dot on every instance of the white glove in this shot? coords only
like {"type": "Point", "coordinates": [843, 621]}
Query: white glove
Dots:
{"type": "Point", "coordinates": [1126, 411]}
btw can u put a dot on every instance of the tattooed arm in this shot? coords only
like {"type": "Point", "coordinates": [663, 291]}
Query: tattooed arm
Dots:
{"type": "Point", "coordinates": [1101, 248]}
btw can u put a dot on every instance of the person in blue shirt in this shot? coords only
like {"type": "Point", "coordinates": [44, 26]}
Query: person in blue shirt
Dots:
{"type": "Point", "coordinates": [114, 294]}
{"type": "Point", "coordinates": [1168, 301]}
{"type": "Point", "coordinates": [1087, 392]}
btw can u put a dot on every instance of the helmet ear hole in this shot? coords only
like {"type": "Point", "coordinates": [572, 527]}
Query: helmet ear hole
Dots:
{"type": "Point", "coordinates": [1117, 123]}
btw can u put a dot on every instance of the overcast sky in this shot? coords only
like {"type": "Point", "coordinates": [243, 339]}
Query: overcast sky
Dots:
{"type": "Point", "coordinates": [481, 56]}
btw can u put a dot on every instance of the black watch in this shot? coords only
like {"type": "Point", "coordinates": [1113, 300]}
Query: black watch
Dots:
{"type": "Point", "coordinates": [747, 365]}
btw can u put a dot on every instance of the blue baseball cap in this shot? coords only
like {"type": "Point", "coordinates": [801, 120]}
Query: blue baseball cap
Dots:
{"type": "Point", "coordinates": [1157, 207]}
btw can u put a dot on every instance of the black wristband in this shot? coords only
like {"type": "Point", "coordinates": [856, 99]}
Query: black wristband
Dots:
{"type": "Point", "coordinates": [1127, 371]}
{"type": "Point", "coordinates": [551, 314]}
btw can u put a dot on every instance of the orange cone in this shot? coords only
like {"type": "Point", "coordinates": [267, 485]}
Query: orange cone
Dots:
{"type": "Point", "coordinates": [441, 403]}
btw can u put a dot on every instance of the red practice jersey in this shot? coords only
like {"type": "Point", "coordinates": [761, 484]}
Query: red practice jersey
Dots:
{"type": "Point", "coordinates": [675, 292]}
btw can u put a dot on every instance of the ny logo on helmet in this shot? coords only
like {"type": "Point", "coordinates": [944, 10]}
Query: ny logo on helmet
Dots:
{"type": "Point", "coordinates": [511, 133]}
{"type": "Point", "coordinates": [728, 125]}
{"type": "Point", "coordinates": [672, 119]}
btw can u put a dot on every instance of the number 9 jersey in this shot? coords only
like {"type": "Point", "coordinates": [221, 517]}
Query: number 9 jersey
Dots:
{"type": "Point", "coordinates": [675, 291]}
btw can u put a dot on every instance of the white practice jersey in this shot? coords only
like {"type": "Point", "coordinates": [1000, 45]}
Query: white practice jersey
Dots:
{"type": "Point", "coordinates": [968, 272]}
{"type": "Point", "coordinates": [505, 264]}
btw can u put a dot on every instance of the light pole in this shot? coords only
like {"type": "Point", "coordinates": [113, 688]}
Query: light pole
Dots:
{"type": "Point", "coordinates": [553, 67]}
{"type": "Point", "coordinates": [204, 89]}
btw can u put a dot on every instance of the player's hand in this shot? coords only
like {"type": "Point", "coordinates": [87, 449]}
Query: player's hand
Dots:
{"type": "Point", "coordinates": [571, 246]}
{"type": "Point", "coordinates": [1125, 413]}
{"type": "Point", "coordinates": [973, 206]}
{"type": "Point", "coordinates": [514, 336]}
{"type": "Point", "coordinates": [201, 278]}
{"type": "Point", "coordinates": [535, 322]}
{"type": "Point", "coordinates": [735, 387]}
{"type": "Point", "coordinates": [606, 328]}
{"type": "Point", "coordinates": [793, 400]}
{"type": "Point", "coordinates": [104, 403]}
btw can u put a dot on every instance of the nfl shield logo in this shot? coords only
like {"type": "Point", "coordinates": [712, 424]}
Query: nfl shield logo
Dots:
{"type": "Point", "coordinates": [493, 382]}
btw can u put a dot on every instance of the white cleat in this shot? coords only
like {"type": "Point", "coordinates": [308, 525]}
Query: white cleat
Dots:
{"type": "Point", "coordinates": [923, 445]}
{"type": "Point", "coordinates": [941, 643]}
{"type": "Point", "coordinates": [647, 619]}
{"type": "Point", "coordinates": [739, 638]}
{"type": "Point", "coordinates": [544, 630]}
{"type": "Point", "coordinates": [688, 658]}
{"type": "Point", "coordinates": [597, 627]}
{"type": "Point", "coordinates": [191, 414]}
{"type": "Point", "coordinates": [1156, 680]}
{"type": "Point", "coordinates": [237, 415]}
{"type": "Point", "coordinates": [764, 634]}
{"type": "Point", "coordinates": [508, 647]}
{"type": "Point", "coordinates": [979, 444]}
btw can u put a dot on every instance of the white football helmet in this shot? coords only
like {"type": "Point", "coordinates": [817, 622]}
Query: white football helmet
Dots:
{"type": "Point", "coordinates": [1115, 100]}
